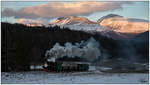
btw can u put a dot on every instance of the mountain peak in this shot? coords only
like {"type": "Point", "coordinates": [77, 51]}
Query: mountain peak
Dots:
{"type": "Point", "coordinates": [108, 16]}
{"type": "Point", "coordinates": [70, 20]}
{"type": "Point", "coordinates": [64, 17]}
{"type": "Point", "coordinates": [113, 15]}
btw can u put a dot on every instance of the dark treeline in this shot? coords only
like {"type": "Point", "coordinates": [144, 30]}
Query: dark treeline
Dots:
{"type": "Point", "coordinates": [23, 45]}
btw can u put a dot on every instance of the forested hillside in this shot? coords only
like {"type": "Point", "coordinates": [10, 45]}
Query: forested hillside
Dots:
{"type": "Point", "coordinates": [22, 45]}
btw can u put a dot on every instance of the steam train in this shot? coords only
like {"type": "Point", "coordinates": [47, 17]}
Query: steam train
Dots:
{"type": "Point", "coordinates": [66, 64]}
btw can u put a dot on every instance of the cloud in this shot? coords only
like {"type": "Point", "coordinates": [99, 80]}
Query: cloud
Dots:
{"type": "Point", "coordinates": [58, 9]}
{"type": "Point", "coordinates": [21, 21]}
{"type": "Point", "coordinates": [31, 21]}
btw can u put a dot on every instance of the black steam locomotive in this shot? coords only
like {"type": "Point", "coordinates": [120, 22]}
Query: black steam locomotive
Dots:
{"type": "Point", "coordinates": [66, 64]}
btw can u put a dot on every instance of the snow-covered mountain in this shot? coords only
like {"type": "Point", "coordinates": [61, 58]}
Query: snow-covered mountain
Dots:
{"type": "Point", "coordinates": [82, 23]}
{"type": "Point", "coordinates": [124, 25]}
{"type": "Point", "coordinates": [76, 23]}
{"type": "Point", "coordinates": [112, 25]}
{"type": "Point", "coordinates": [71, 20]}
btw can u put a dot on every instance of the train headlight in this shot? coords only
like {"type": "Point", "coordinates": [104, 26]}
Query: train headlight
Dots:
{"type": "Point", "coordinates": [45, 65]}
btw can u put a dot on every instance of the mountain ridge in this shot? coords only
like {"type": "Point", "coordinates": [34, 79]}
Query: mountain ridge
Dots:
{"type": "Point", "coordinates": [112, 25]}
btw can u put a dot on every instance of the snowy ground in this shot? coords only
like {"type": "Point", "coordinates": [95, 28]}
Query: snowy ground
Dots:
{"type": "Point", "coordinates": [94, 77]}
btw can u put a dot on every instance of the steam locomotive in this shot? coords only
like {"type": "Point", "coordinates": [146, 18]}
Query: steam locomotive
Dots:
{"type": "Point", "coordinates": [66, 64]}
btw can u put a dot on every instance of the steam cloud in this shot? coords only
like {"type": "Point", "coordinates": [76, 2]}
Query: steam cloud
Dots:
{"type": "Point", "coordinates": [86, 49]}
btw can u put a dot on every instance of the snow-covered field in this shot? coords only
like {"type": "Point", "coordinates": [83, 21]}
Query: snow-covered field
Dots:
{"type": "Point", "coordinates": [95, 77]}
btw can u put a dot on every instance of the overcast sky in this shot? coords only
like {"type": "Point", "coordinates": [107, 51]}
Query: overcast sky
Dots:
{"type": "Point", "coordinates": [44, 12]}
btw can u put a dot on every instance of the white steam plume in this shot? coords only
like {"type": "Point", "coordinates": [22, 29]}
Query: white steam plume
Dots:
{"type": "Point", "coordinates": [86, 49]}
